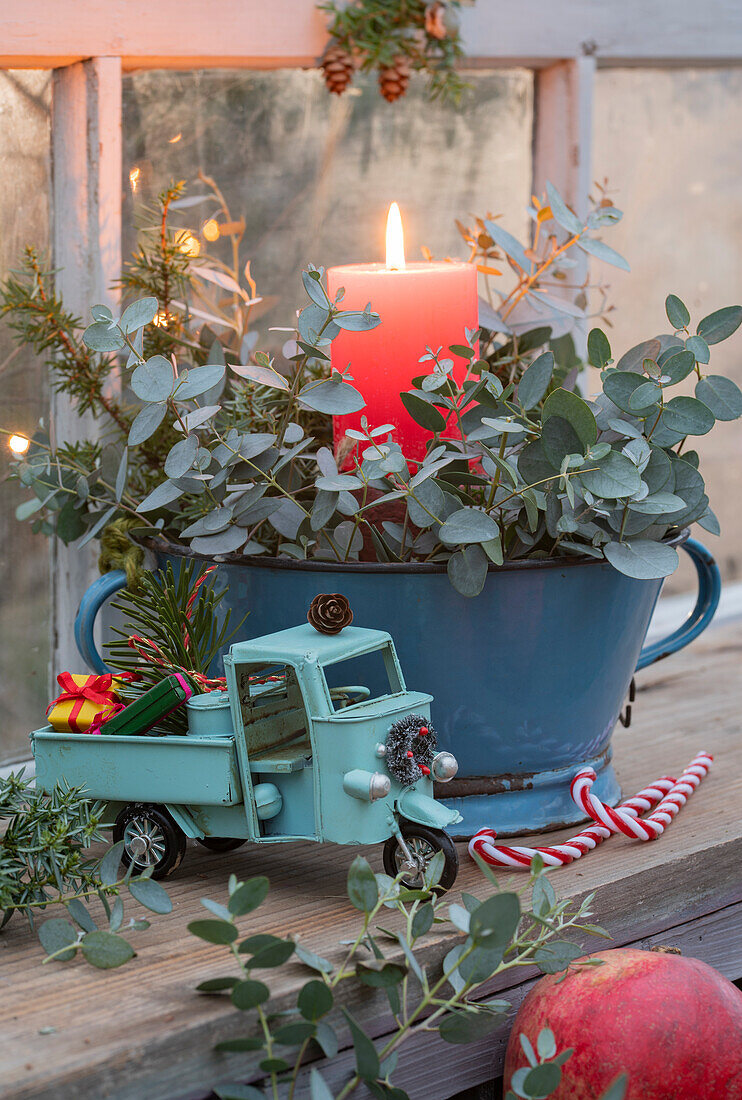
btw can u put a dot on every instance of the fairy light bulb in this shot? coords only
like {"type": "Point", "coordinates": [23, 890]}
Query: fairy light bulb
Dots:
{"type": "Point", "coordinates": [211, 230]}
{"type": "Point", "coordinates": [19, 444]}
{"type": "Point", "coordinates": [187, 243]}
{"type": "Point", "coordinates": [134, 179]}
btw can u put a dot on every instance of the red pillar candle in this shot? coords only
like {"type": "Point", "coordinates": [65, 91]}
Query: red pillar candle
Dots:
{"type": "Point", "coordinates": [419, 304]}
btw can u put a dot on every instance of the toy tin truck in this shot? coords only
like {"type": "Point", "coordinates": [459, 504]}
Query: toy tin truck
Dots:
{"type": "Point", "coordinates": [289, 752]}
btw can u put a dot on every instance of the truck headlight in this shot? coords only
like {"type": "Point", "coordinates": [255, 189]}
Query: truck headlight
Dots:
{"type": "Point", "coordinates": [366, 786]}
{"type": "Point", "coordinates": [445, 766]}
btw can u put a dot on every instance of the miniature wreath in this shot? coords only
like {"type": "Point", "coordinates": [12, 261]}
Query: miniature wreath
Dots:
{"type": "Point", "coordinates": [410, 748]}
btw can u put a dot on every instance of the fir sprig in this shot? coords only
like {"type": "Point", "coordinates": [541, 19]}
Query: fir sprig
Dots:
{"type": "Point", "coordinates": [178, 614]}
{"type": "Point", "coordinates": [44, 850]}
{"type": "Point", "coordinates": [38, 317]}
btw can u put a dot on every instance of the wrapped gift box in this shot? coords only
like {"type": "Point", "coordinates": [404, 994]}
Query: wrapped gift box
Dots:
{"type": "Point", "coordinates": [85, 699]}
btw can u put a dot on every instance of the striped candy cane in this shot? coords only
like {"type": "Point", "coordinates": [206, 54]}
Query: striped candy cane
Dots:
{"type": "Point", "coordinates": [556, 855]}
{"type": "Point", "coordinates": [666, 794]}
{"type": "Point", "coordinates": [650, 827]}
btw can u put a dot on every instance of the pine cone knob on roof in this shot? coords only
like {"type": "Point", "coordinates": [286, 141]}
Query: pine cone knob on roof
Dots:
{"type": "Point", "coordinates": [393, 79]}
{"type": "Point", "coordinates": [338, 68]}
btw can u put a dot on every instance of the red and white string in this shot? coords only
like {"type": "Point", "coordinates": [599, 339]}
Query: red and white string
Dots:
{"type": "Point", "coordinates": [666, 795]}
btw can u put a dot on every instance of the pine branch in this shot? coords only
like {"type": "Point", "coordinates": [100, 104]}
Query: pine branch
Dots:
{"type": "Point", "coordinates": [39, 318]}
{"type": "Point", "coordinates": [188, 640]}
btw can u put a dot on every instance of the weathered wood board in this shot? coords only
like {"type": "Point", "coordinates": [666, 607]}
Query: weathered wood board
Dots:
{"type": "Point", "coordinates": [143, 1032]}
{"type": "Point", "coordinates": [253, 33]}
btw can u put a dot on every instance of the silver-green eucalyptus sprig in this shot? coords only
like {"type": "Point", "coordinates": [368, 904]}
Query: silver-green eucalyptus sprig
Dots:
{"type": "Point", "coordinates": [519, 465]}
{"type": "Point", "coordinates": [495, 935]}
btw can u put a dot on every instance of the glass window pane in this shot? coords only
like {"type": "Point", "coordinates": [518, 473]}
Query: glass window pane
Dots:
{"type": "Point", "coordinates": [313, 174]}
{"type": "Point", "coordinates": [24, 557]}
{"type": "Point", "coordinates": [670, 143]}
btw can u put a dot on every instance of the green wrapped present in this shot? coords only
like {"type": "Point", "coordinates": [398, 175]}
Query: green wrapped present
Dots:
{"type": "Point", "coordinates": [152, 706]}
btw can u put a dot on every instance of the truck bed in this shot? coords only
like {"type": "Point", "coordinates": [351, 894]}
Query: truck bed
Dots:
{"type": "Point", "coordinates": [178, 770]}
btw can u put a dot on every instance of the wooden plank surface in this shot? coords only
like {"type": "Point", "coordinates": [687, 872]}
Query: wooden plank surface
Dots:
{"type": "Point", "coordinates": [142, 1032]}
{"type": "Point", "coordinates": [253, 33]}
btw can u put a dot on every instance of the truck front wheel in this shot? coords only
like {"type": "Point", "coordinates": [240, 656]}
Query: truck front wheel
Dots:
{"type": "Point", "coordinates": [422, 844]}
{"type": "Point", "coordinates": [151, 839]}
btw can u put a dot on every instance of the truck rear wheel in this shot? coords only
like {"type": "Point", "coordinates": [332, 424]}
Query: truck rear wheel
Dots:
{"type": "Point", "coordinates": [151, 839]}
{"type": "Point", "coordinates": [422, 843]}
{"type": "Point", "coordinates": [221, 843]}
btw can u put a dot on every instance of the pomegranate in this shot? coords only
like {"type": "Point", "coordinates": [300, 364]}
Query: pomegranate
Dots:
{"type": "Point", "coordinates": [674, 1025]}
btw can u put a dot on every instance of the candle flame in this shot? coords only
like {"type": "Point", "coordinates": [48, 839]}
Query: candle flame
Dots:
{"type": "Point", "coordinates": [395, 260]}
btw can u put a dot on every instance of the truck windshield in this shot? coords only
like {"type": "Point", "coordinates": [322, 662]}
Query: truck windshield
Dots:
{"type": "Point", "coordinates": [370, 676]}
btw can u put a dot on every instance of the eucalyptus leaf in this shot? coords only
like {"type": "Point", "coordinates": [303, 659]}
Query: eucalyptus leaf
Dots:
{"type": "Point", "coordinates": [363, 891]}
{"type": "Point", "coordinates": [494, 923]}
{"type": "Point", "coordinates": [598, 349]}
{"type": "Point", "coordinates": [700, 349]}
{"type": "Point", "coordinates": [160, 497]}
{"type": "Point", "coordinates": [620, 385]}
{"type": "Point", "coordinates": [367, 1060]}
{"type": "Point", "coordinates": [150, 894]}
{"type": "Point", "coordinates": [688, 416]}
{"type": "Point", "coordinates": [197, 380]}
{"type": "Point", "coordinates": [57, 934]}
{"type": "Point", "coordinates": [603, 252]}
{"type": "Point", "coordinates": [197, 417]}
{"type": "Point", "coordinates": [535, 380]}
{"type": "Point", "coordinates": [106, 950]}
{"type": "Point", "coordinates": [720, 325]}
{"type": "Point", "coordinates": [679, 365]}
{"type": "Point", "coordinates": [180, 457]}
{"type": "Point", "coordinates": [555, 956]}
{"type": "Point", "coordinates": [335, 398]}
{"type": "Point", "coordinates": [225, 542]}
{"type": "Point", "coordinates": [611, 477]}
{"type": "Point", "coordinates": [642, 558]}
{"type": "Point", "coordinates": [468, 525]}
{"type": "Point", "coordinates": [644, 396]}
{"type": "Point", "coordinates": [314, 288]}
{"type": "Point", "coordinates": [510, 246]}
{"type": "Point", "coordinates": [426, 506]}
{"type": "Point", "coordinates": [103, 336]}
{"type": "Point", "coordinates": [146, 423]}
{"type": "Point", "coordinates": [721, 395]}
{"type": "Point", "coordinates": [467, 570]}
{"type": "Point", "coordinates": [677, 312]}
{"type": "Point", "coordinates": [561, 212]}
{"type": "Point", "coordinates": [633, 359]}
{"type": "Point", "coordinates": [122, 474]}
{"type": "Point", "coordinates": [569, 406]}
{"type": "Point", "coordinates": [542, 1080]}
{"type": "Point", "coordinates": [657, 503]}
{"type": "Point", "coordinates": [357, 320]}
{"type": "Point", "coordinates": [468, 1027]}
{"type": "Point", "coordinates": [423, 413]}
{"type": "Point", "coordinates": [139, 314]}
{"type": "Point", "coordinates": [264, 376]}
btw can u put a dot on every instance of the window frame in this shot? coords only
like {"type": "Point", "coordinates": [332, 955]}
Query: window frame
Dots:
{"type": "Point", "coordinates": [563, 41]}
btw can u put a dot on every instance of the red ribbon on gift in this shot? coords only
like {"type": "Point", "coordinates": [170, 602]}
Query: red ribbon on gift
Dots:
{"type": "Point", "coordinates": [102, 717]}
{"type": "Point", "coordinates": [99, 690]}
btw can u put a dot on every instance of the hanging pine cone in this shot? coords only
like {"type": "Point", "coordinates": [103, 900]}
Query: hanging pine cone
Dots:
{"type": "Point", "coordinates": [393, 80]}
{"type": "Point", "coordinates": [338, 68]}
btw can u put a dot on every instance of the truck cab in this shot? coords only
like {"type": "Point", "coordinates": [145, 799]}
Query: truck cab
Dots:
{"type": "Point", "coordinates": [312, 714]}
